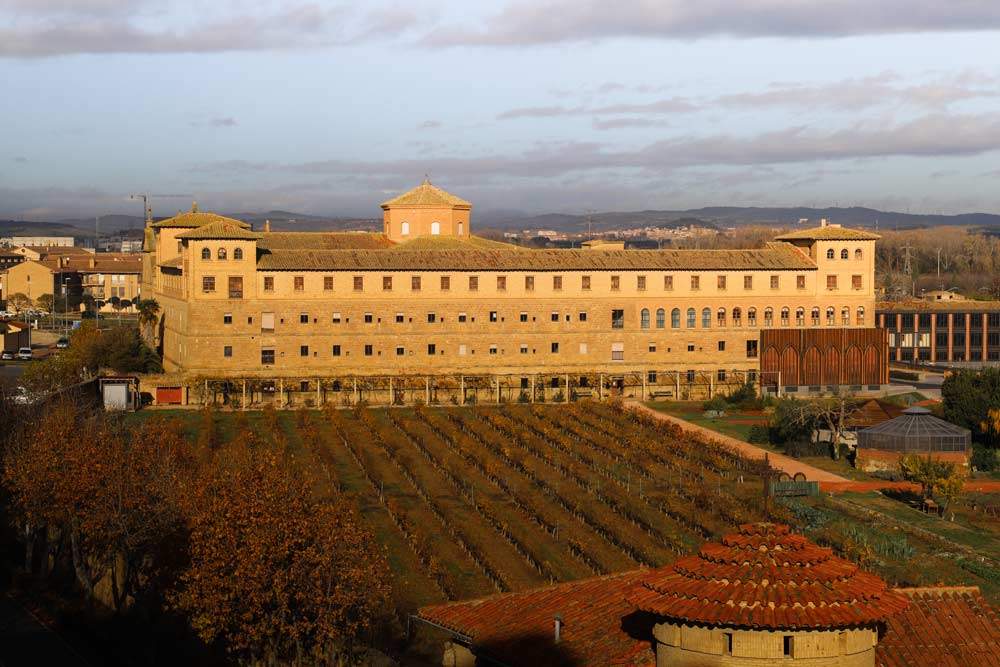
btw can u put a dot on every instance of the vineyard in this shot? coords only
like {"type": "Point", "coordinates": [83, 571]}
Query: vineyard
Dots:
{"type": "Point", "coordinates": [474, 501]}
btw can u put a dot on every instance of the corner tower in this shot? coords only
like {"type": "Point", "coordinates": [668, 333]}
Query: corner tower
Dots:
{"type": "Point", "coordinates": [426, 210]}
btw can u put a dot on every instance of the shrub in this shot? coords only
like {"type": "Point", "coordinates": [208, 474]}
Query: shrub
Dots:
{"type": "Point", "coordinates": [759, 435]}
{"type": "Point", "coordinates": [745, 397]}
{"type": "Point", "coordinates": [983, 458]}
{"type": "Point", "coordinates": [718, 404]}
{"type": "Point", "coordinates": [798, 448]}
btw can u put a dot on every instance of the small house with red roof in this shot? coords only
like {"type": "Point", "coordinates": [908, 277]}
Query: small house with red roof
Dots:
{"type": "Point", "coordinates": [762, 596]}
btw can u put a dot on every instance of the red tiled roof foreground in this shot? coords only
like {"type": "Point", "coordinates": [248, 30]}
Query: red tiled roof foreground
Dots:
{"type": "Point", "coordinates": [765, 577]}
{"type": "Point", "coordinates": [599, 626]}
{"type": "Point", "coordinates": [942, 627]}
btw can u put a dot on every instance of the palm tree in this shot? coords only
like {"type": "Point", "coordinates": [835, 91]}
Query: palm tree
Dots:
{"type": "Point", "coordinates": [149, 311]}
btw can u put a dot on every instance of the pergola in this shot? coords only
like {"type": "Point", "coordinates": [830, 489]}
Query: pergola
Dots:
{"type": "Point", "coordinates": [915, 431]}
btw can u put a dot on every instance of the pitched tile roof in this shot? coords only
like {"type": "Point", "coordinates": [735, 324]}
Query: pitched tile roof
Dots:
{"type": "Point", "coordinates": [323, 241]}
{"type": "Point", "coordinates": [765, 577]}
{"type": "Point", "coordinates": [426, 194]}
{"type": "Point", "coordinates": [196, 218]}
{"type": "Point", "coordinates": [942, 627]}
{"type": "Point", "coordinates": [102, 262]}
{"type": "Point", "coordinates": [471, 257]}
{"type": "Point", "coordinates": [599, 626]}
{"type": "Point", "coordinates": [829, 233]}
{"type": "Point", "coordinates": [221, 230]}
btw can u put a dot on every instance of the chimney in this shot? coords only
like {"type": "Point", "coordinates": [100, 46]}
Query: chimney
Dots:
{"type": "Point", "coordinates": [93, 262]}
{"type": "Point", "coordinates": [267, 225]}
{"type": "Point", "coordinates": [558, 628]}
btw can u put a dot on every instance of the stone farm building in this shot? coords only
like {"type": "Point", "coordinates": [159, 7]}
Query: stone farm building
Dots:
{"type": "Point", "coordinates": [426, 304]}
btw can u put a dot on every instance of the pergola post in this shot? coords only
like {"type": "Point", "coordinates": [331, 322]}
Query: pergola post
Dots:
{"type": "Point", "coordinates": [243, 404]}
{"type": "Point", "coordinates": [643, 373]}
{"type": "Point", "coordinates": [497, 384]}
{"type": "Point", "coordinates": [427, 390]}
{"type": "Point", "coordinates": [355, 390]}
{"type": "Point", "coordinates": [281, 393]}
{"type": "Point", "coordinates": [461, 388]}
{"type": "Point", "coordinates": [600, 387]}
{"type": "Point", "coordinates": [392, 397]}
{"type": "Point", "coordinates": [567, 389]}
{"type": "Point", "coordinates": [677, 385]}
{"type": "Point", "coordinates": [319, 392]}
{"type": "Point", "coordinates": [532, 388]}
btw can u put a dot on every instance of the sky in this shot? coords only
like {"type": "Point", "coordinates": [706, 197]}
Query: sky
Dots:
{"type": "Point", "coordinates": [517, 105]}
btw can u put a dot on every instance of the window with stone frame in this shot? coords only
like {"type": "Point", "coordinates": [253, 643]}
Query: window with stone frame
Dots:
{"type": "Point", "coordinates": [415, 283]}
{"type": "Point", "coordinates": [208, 284]}
{"type": "Point", "coordinates": [299, 282]}
{"type": "Point", "coordinates": [328, 283]}
{"type": "Point", "coordinates": [359, 283]}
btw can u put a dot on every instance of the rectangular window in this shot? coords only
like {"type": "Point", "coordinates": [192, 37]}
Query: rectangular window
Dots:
{"type": "Point", "coordinates": [555, 348]}
{"type": "Point", "coordinates": [369, 350]}
{"type": "Point", "coordinates": [445, 283]}
{"type": "Point", "coordinates": [557, 283]}
{"type": "Point", "coordinates": [583, 348]}
{"type": "Point", "coordinates": [690, 348]}
{"type": "Point", "coordinates": [555, 316]}
{"type": "Point", "coordinates": [617, 319]}
{"type": "Point", "coordinates": [300, 283]}
{"type": "Point", "coordinates": [328, 283]}
{"type": "Point", "coordinates": [431, 348]}
{"type": "Point", "coordinates": [336, 350]}
{"type": "Point", "coordinates": [303, 350]}
{"type": "Point", "coordinates": [652, 347]}
{"type": "Point", "coordinates": [400, 317]}
{"type": "Point", "coordinates": [268, 283]}
{"type": "Point", "coordinates": [800, 282]}
{"type": "Point", "coordinates": [267, 357]}
{"type": "Point", "coordinates": [386, 283]}
{"type": "Point", "coordinates": [585, 282]}
{"type": "Point", "coordinates": [431, 317]}
{"type": "Point", "coordinates": [267, 322]}
{"type": "Point", "coordinates": [720, 375]}
{"type": "Point", "coordinates": [722, 346]}
{"type": "Point", "coordinates": [415, 283]}
{"type": "Point", "coordinates": [208, 283]}
{"type": "Point", "coordinates": [461, 350]}
{"type": "Point", "coordinates": [400, 351]}
{"type": "Point", "coordinates": [336, 318]}
{"type": "Point", "coordinates": [462, 317]}
{"type": "Point", "coordinates": [831, 282]}
{"type": "Point", "coordinates": [616, 282]}
{"type": "Point", "coordinates": [473, 283]}
{"type": "Point", "coordinates": [501, 283]}
{"type": "Point", "coordinates": [227, 351]}
{"type": "Point", "coordinates": [695, 283]}
{"type": "Point", "coordinates": [751, 349]}
{"type": "Point", "coordinates": [583, 316]}
{"type": "Point", "coordinates": [227, 318]}
{"type": "Point", "coordinates": [235, 287]}
{"type": "Point", "coordinates": [721, 283]}
{"type": "Point", "coordinates": [748, 282]}
{"type": "Point", "coordinates": [493, 316]}
{"type": "Point", "coordinates": [856, 282]}
{"type": "Point", "coordinates": [529, 283]}
{"type": "Point", "coordinates": [788, 646]}
{"type": "Point", "coordinates": [303, 318]}
{"type": "Point", "coordinates": [524, 349]}
{"type": "Point", "coordinates": [640, 283]}
{"type": "Point", "coordinates": [493, 349]}
{"type": "Point", "coordinates": [369, 318]}
{"type": "Point", "coordinates": [359, 283]}
{"type": "Point", "coordinates": [727, 646]}
{"type": "Point", "coordinates": [775, 282]}
{"type": "Point", "coordinates": [617, 352]}
{"type": "Point", "coordinates": [524, 317]}
{"type": "Point", "coordinates": [668, 282]}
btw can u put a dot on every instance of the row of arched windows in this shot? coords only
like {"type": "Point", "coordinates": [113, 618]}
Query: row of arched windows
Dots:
{"type": "Point", "coordinates": [735, 317]}
{"type": "Point", "coordinates": [221, 254]}
{"type": "Point", "coordinates": [844, 254]}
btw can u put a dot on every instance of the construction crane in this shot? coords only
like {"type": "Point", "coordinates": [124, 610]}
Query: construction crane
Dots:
{"type": "Point", "coordinates": [147, 207]}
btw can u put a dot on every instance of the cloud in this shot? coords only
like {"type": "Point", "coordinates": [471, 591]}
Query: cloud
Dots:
{"type": "Point", "coordinates": [542, 112]}
{"type": "Point", "coordinates": [219, 121]}
{"type": "Point", "coordinates": [622, 123]}
{"type": "Point", "coordinates": [429, 125]}
{"type": "Point", "coordinates": [665, 106]}
{"type": "Point", "coordinates": [20, 159]}
{"type": "Point", "coordinates": [532, 22]}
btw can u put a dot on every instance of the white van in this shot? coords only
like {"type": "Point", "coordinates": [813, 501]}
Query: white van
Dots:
{"type": "Point", "coordinates": [24, 353]}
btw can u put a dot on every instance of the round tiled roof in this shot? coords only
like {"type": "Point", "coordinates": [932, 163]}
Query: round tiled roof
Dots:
{"type": "Point", "coordinates": [765, 577]}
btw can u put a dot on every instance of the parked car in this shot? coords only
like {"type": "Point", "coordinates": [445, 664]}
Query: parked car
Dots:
{"type": "Point", "coordinates": [6, 355]}
{"type": "Point", "coordinates": [25, 353]}
{"type": "Point", "coordinates": [62, 343]}
{"type": "Point", "coordinates": [6, 315]}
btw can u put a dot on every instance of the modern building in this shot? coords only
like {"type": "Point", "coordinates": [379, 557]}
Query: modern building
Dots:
{"type": "Point", "coordinates": [69, 276]}
{"type": "Point", "coordinates": [761, 597]}
{"type": "Point", "coordinates": [55, 241]}
{"type": "Point", "coordinates": [944, 332]}
{"type": "Point", "coordinates": [428, 299]}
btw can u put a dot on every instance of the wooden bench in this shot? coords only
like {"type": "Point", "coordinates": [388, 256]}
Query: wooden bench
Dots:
{"type": "Point", "coordinates": [929, 506]}
{"type": "Point", "coordinates": [661, 393]}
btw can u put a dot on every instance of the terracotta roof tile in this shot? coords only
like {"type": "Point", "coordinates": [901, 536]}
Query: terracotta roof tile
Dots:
{"type": "Point", "coordinates": [915, 305]}
{"type": "Point", "coordinates": [275, 241]}
{"type": "Point", "coordinates": [829, 233]}
{"type": "Point", "coordinates": [426, 194]}
{"type": "Point", "coordinates": [196, 218]}
{"type": "Point", "coordinates": [221, 230]}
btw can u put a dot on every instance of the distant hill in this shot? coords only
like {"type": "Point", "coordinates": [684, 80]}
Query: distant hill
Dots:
{"type": "Point", "coordinates": [28, 228]}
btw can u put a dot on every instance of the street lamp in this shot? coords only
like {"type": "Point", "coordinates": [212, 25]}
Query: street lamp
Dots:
{"type": "Point", "coordinates": [65, 291]}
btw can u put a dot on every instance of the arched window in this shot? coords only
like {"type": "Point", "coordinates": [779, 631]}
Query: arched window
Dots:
{"type": "Point", "coordinates": [206, 253]}
{"type": "Point", "coordinates": [461, 228]}
{"type": "Point", "coordinates": [843, 254]}
{"type": "Point", "coordinates": [858, 254]}
{"type": "Point", "coordinates": [661, 318]}
{"type": "Point", "coordinates": [861, 316]}
{"type": "Point", "coordinates": [800, 317]}
{"type": "Point", "coordinates": [829, 254]}
{"type": "Point", "coordinates": [751, 317]}
{"type": "Point", "coordinates": [737, 316]}
{"type": "Point", "coordinates": [768, 317]}
{"type": "Point", "coordinates": [404, 229]}
{"type": "Point", "coordinates": [784, 316]}
{"type": "Point", "coordinates": [435, 228]}
{"type": "Point", "coordinates": [238, 253]}
{"type": "Point", "coordinates": [222, 253]}
{"type": "Point", "coordinates": [706, 318]}
{"type": "Point", "coordinates": [720, 317]}
{"type": "Point", "coordinates": [815, 317]}
{"type": "Point", "coordinates": [692, 318]}
{"type": "Point", "coordinates": [644, 318]}
{"type": "Point", "coordinates": [845, 316]}
{"type": "Point", "coordinates": [675, 318]}
{"type": "Point", "coordinates": [830, 317]}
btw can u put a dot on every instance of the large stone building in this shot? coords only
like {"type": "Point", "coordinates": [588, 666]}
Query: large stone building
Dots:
{"type": "Point", "coordinates": [427, 298]}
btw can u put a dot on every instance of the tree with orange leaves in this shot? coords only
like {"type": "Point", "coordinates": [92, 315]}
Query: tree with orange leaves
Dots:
{"type": "Point", "coordinates": [274, 573]}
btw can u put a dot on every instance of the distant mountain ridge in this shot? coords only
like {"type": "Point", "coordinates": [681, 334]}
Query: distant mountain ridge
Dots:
{"type": "Point", "coordinates": [718, 216]}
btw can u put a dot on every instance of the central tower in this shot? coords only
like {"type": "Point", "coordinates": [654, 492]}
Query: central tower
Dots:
{"type": "Point", "coordinates": [425, 210]}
